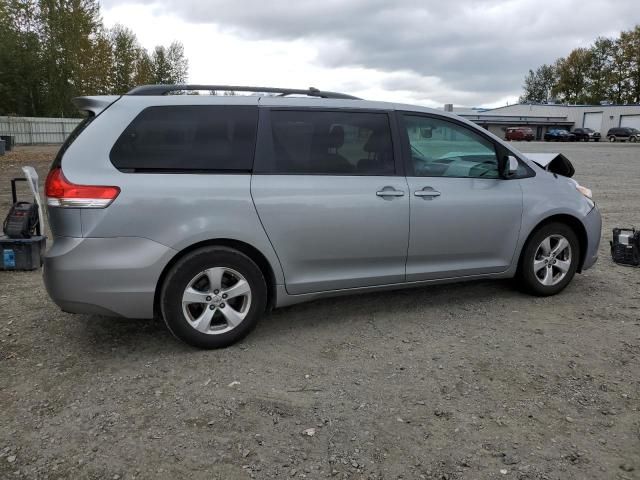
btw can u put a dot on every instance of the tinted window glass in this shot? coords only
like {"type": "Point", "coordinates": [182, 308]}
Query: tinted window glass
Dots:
{"type": "Point", "coordinates": [331, 143]}
{"type": "Point", "coordinates": [188, 138]}
{"type": "Point", "coordinates": [444, 149]}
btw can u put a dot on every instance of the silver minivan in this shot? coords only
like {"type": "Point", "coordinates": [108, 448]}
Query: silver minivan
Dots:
{"type": "Point", "coordinates": [210, 210]}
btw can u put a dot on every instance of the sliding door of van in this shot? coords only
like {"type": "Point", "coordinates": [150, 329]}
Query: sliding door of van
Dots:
{"type": "Point", "coordinates": [328, 192]}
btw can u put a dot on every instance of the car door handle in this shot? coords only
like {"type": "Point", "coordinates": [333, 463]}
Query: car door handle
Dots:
{"type": "Point", "coordinates": [389, 192]}
{"type": "Point", "coordinates": [426, 193]}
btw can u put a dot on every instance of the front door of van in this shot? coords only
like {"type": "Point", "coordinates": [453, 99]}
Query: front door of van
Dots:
{"type": "Point", "coordinates": [465, 219]}
{"type": "Point", "coordinates": [326, 190]}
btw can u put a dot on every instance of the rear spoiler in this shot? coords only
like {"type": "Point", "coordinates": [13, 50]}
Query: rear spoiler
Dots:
{"type": "Point", "coordinates": [95, 104]}
{"type": "Point", "coordinates": [553, 162]}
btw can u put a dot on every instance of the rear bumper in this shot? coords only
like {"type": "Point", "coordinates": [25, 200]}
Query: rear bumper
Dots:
{"type": "Point", "coordinates": [593, 226]}
{"type": "Point", "coordinates": [105, 276]}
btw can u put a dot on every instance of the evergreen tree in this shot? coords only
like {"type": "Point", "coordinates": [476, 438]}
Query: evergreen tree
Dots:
{"type": "Point", "coordinates": [125, 57]}
{"type": "Point", "coordinates": [538, 85]}
{"type": "Point", "coordinates": [54, 50]}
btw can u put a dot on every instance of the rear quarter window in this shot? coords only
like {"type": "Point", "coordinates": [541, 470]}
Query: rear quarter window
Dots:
{"type": "Point", "coordinates": [57, 161]}
{"type": "Point", "coordinates": [188, 138]}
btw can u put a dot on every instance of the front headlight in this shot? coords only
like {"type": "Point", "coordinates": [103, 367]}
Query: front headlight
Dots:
{"type": "Point", "coordinates": [585, 191]}
{"type": "Point", "coordinates": [588, 194]}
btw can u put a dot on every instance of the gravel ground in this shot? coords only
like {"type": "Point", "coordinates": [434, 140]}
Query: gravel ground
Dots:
{"type": "Point", "coordinates": [449, 382]}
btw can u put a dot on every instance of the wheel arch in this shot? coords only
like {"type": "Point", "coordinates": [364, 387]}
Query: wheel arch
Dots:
{"type": "Point", "coordinates": [249, 250]}
{"type": "Point", "coordinates": [572, 222]}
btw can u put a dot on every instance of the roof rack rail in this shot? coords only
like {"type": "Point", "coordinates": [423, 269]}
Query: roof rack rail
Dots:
{"type": "Point", "coordinates": [164, 89]}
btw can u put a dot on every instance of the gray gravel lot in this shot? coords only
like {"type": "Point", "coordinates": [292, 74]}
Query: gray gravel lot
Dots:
{"type": "Point", "coordinates": [467, 381]}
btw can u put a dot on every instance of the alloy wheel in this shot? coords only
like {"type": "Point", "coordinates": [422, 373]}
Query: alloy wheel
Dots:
{"type": "Point", "coordinates": [552, 260]}
{"type": "Point", "coordinates": [216, 300]}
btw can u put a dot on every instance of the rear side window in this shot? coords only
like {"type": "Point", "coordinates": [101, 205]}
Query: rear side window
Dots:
{"type": "Point", "coordinates": [188, 138]}
{"type": "Point", "coordinates": [329, 143]}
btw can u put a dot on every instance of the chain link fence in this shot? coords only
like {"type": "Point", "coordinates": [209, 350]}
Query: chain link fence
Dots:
{"type": "Point", "coordinates": [36, 130]}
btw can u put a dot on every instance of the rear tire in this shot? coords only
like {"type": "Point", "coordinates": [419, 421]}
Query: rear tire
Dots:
{"type": "Point", "coordinates": [212, 297]}
{"type": "Point", "coordinates": [612, 139]}
{"type": "Point", "coordinates": [549, 260]}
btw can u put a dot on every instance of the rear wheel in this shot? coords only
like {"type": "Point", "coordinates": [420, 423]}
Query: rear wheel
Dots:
{"type": "Point", "coordinates": [213, 296]}
{"type": "Point", "coordinates": [549, 260]}
{"type": "Point", "coordinates": [612, 139]}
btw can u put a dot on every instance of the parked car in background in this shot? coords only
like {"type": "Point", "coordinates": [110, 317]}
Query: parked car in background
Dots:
{"type": "Point", "coordinates": [586, 134]}
{"type": "Point", "coordinates": [623, 134]}
{"type": "Point", "coordinates": [208, 211]}
{"type": "Point", "coordinates": [519, 133]}
{"type": "Point", "coordinates": [559, 135]}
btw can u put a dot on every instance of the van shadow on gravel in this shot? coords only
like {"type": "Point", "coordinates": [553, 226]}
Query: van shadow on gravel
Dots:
{"type": "Point", "coordinates": [104, 334]}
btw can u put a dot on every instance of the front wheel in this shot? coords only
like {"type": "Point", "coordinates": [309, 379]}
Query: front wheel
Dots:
{"type": "Point", "coordinates": [612, 139]}
{"type": "Point", "coordinates": [633, 139]}
{"type": "Point", "coordinates": [213, 296]}
{"type": "Point", "coordinates": [549, 260]}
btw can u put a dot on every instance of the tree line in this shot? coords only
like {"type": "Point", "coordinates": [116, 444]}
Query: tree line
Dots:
{"type": "Point", "coordinates": [607, 71]}
{"type": "Point", "coordinates": [54, 50]}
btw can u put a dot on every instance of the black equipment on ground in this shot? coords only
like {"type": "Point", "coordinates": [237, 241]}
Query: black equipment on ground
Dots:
{"type": "Point", "coordinates": [23, 246]}
{"type": "Point", "coordinates": [22, 220]}
{"type": "Point", "coordinates": [625, 246]}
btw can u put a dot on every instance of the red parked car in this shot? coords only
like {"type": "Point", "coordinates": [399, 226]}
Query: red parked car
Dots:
{"type": "Point", "coordinates": [519, 133]}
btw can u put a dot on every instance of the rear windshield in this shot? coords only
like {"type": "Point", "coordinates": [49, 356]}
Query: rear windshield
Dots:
{"type": "Point", "coordinates": [75, 133]}
{"type": "Point", "coordinates": [188, 138]}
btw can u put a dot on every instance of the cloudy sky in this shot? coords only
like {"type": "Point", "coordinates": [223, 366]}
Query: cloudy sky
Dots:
{"type": "Point", "coordinates": [429, 52]}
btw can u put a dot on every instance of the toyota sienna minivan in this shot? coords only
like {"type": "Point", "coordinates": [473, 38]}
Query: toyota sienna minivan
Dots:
{"type": "Point", "coordinates": [210, 210]}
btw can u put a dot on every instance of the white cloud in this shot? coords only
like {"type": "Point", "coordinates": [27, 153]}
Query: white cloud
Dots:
{"type": "Point", "coordinates": [414, 51]}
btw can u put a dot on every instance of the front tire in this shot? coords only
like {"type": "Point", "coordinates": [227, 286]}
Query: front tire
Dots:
{"type": "Point", "coordinates": [633, 139]}
{"type": "Point", "coordinates": [612, 139]}
{"type": "Point", "coordinates": [212, 297]}
{"type": "Point", "coordinates": [549, 260]}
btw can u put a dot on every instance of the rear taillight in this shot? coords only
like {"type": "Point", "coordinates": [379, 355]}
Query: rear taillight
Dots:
{"type": "Point", "coordinates": [62, 193]}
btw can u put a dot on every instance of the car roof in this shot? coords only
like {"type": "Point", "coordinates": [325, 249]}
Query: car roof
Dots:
{"type": "Point", "coordinates": [98, 103]}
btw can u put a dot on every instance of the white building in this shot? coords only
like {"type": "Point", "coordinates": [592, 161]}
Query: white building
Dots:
{"type": "Point", "coordinates": [542, 117]}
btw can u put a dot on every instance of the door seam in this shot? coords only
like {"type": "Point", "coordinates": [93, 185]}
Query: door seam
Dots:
{"type": "Point", "coordinates": [406, 257]}
{"type": "Point", "coordinates": [255, 207]}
